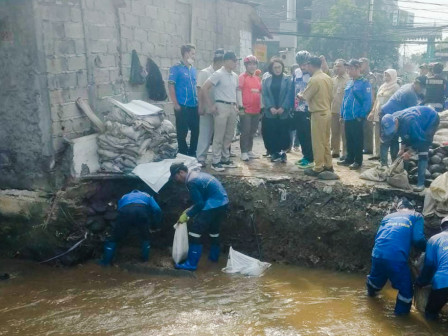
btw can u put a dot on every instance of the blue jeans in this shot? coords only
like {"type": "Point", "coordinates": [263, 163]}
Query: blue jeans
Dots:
{"type": "Point", "coordinates": [399, 275]}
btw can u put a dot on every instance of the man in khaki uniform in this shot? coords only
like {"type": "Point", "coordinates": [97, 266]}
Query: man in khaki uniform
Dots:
{"type": "Point", "coordinates": [340, 80]}
{"type": "Point", "coordinates": [319, 95]}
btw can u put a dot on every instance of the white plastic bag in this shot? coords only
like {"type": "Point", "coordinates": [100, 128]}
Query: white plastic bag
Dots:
{"type": "Point", "coordinates": [377, 174]}
{"type": "Point", "coordinates": [243, 264]}
{"type": "Point", "coordinates": [180, 243]}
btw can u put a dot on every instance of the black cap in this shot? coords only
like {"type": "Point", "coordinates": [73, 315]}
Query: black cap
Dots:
{"type": "Point", "coordinates": [353, 62]}
{"type": "Point", "coordinates": [176, 167]}
{"type": "Point", "coordinates": [219, 52]}
{"type": "Point", "coordinates": [230, 55]}
{"type": "Point", "coordinates": [421, 80]}
{"type": "Point", "coordinates": [405, 204]}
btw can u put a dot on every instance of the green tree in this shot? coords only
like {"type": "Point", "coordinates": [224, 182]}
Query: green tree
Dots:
{"type": "Point", "coordinates": [343, 32]}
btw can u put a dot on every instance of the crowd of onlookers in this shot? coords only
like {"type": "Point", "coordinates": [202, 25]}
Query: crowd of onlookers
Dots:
{"type": "Point", "coordinates": [329, 113]}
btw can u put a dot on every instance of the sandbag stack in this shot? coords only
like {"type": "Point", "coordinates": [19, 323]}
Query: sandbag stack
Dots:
{"type": "Point", "coordinates": [133, 139]}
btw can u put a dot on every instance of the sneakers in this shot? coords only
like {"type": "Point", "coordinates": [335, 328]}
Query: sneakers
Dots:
{"type": "Point", "coordinates": [329, 169]}
{"type": "Point", "coordinates": [228, 164]}
{"type": "Point", "coordinates": [312, 172]}
{"type": "Point", "coordinates": [244, 157]}
{"type": "Point", "coordinates": [344, 163]}
{"type": "Point", "coordinates": [217, 167]}
{"type": "Point", "coordinates": [354, 166]}
{"type": "Point", "coordinates": [283, 157]}
{"type": "Point", "coordinates": [305, 164]}
{"type": "Point", "coordinates": [276, 157]}
{"type": "Point", "coordinates": [252, 155]}
{"type": "Point", "coordinates": [335, 155]}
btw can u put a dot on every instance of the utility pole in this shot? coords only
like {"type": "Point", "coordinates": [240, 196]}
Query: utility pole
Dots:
{"type": "Point", "coordinates": [369, 30]}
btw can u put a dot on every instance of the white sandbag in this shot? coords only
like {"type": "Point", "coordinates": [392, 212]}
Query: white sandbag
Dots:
{"type": "Point", "coordinates": [398, 176]}
{"type": "Point", "coordinates": [243, 264]}
{"type": "Point", "coordinates": [421, 295]}
{"type": "Point", "coordinates": [439, 188]}
{"type": "Point", "coordinates": [180, 243]}
{"type": "Point", "coordinates": [377, 174]}
{"type": "Point", "coordinates": [429, 205]}
{"type": "Point", "coordinates": [107, 154]}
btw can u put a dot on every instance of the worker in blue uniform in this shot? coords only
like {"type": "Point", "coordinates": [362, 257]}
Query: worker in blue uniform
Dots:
{"type": "Point", "coordinates": [209, 208]}
{"type": "Point", "coordinates": [416, 126]}
{"type": "Point", "coordinates": [435, 271]}
{"type": "Point", "coordinates": [137, 210]}
{"type": "Point", "coordinates": [397, 232]}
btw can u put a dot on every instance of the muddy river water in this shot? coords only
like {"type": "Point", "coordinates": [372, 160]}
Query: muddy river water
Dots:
{"type": "Point", "coordinates": [89, 300]}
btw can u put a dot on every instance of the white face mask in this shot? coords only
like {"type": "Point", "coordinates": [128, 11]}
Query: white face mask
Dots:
{"type": "Point", "coordinates": [190, 61]}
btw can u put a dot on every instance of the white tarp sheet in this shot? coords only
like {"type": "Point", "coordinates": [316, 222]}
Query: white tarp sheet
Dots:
{"type": "Point", "coordinates": [157, 174]}
{"type": "Point", "coordinates": [137, 108]}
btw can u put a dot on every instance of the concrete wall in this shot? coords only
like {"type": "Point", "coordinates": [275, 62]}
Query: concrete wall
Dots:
{"type": "Point", "coordinates": [82, 48]}
{"type": "Point", "coordinates": [25, 146]}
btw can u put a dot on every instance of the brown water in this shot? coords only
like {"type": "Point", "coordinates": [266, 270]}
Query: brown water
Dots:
{"type": "Point", "coordinates": [89, 300]}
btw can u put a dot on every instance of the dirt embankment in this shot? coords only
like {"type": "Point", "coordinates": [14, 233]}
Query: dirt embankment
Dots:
{"type": "Point", "coordinates": [292, 221]}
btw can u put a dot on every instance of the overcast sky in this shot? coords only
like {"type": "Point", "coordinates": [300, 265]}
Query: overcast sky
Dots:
{"type": "Point", "coordinates": [427, 12]}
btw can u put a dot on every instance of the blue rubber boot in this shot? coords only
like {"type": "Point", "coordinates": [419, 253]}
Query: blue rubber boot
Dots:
{"type": "Point", "coordinates": [145, 250]}
{"type": "Point", "coordinates": [214, 253]}
{"type": "Point", "coordinates": [422, 165]}
{"type": "Point", "coordinates": [402, 308]}
{"type": "Point", "coordinates": [194, 254]}
{"type": "Point", "coordinates": [108, 254]}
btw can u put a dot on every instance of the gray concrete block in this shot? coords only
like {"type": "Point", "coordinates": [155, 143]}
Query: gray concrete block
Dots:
{"type": "Point", "coordinates": [56, 65]}
{"type": "Point", "coordinates": [65, 47]}
{"type": "Point", "coordinates": [103, 5]}
{"type": "Point", "coordinates": [62, 81]}
{"type": "Point", "coordinates": [56, 97]}
{"type": "Point", "coordinates": [101, 76]}
{"type": "Point", "coordinates": [73, 30]}
{"type": "Point", "coordinates": [75, 14]}
{"type": "Point", "coordinates": [105, 61]}
{"type": "Point", "coordinates": [76, 63]}
{"type": "Point", "coordinates": [131, 20]}
{"type": "Point", "coordinates": [81, 78]}
{"type": "Point", "coordinates": [114, 75]}
{"type": "Point", "coordinates": [102, 33]}
{"type": "Point", "coordinates": [112, 46]}
{"type": "Point", "coordinates": [55, 13]}
{"type": "Point", "coordinates": [139, 6]}
{"type": "Point", "coordinates": [80, 47]}
{"type": "Point", "coordinates": [98, 46]}
{"type": "Point", "coordinates": [76, 93]}
{"type": "Point", "coordinates": [69, 111]}
{"type": "Point", "coordinates": [151, 12]}
{"type": "Point", "coordinates": [105, 90]}
{"type": "Point", "coordinates": [127, 32]}
{"type": "Point", "coordinates": [140, 35]}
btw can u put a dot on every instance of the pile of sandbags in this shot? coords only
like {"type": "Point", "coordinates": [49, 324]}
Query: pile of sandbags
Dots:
{"type": "Point", "coordinates": [437, 164]}
{"type": "Point", "coordinates": [130, 139]}
{"type": "Point", "coordinates": [441, 136]}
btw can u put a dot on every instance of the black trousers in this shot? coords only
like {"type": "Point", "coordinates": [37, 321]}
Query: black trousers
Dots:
{"type": "Point", "coordinates": [187, 118]}
{"type": "Point", "coordinates": [276, 134]}
{"type": "Point", "coordinates": [207, 220]}
{"type": "Point", "coordinates": [302, 124]}
{"type": "Point", "coordinates": [437, 299]}
{"type": "Point", "coordinates": [354, 134]}
{"type": "Point", "coordinates": [132, 216]}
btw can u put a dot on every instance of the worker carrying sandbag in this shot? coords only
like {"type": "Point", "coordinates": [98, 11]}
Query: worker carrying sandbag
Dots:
{"type": "Point", "coordinates": [136, 210]}
{"type": "Point", "coordinates": [435, 271]}
{"type": "Point", "coordinates": [416, 126]}
{"type": "Point", "coordinates": [210, 206]}
{"type": "Point", "coordinates": [397, 232]}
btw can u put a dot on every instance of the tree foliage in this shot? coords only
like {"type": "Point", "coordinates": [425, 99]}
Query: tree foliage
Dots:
{"type": "Point", "coordinates": [347, 27]}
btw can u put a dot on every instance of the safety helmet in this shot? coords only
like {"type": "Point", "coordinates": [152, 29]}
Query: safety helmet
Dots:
{"type": "Point", "coordinates": [302, 57]}
{"type": "Point", "coordinates": [250, 59]}
{"type": "Point", "coordinates": [404, 203]}
{"type": "Point", "coordinates": [444, 223]}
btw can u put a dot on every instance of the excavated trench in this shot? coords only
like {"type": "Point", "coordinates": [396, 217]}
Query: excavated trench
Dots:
{"type": "Point", "coordinates": [283, 220]}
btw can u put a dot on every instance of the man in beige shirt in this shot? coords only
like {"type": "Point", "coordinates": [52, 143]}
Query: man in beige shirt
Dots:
{"type": "Point", "coordinates": [340, 80]}
{"type": "Point", "coordinates": [319, 95]}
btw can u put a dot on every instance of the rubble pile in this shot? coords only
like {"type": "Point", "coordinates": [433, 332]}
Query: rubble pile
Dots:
{"type": "Point", "coordinates": [133, 139]}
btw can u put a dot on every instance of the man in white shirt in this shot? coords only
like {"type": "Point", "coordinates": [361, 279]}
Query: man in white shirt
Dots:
{"type": "Point", "coordinates": [224, 109]}
{"type": "Point", "coordinates": [205, 115]}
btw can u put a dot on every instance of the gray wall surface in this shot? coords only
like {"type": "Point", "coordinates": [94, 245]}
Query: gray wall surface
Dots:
{"type": "Point", "coordinates": [25, 145]}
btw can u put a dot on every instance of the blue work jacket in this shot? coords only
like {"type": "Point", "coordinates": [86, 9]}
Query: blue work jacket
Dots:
{"type": "Point", "coordinates": [139, 197]}
{"type": "Point", "coordinates": [417, 126]}
{"type": "Point", "coordinates": [357, 100]}
{"type": "Point", "coordinates": [403, 98]}
{"type": "Point", "coordinates": [184, 79]}
{"type": "Point", "coordinates": [397, 232]}
{"type": "Point", "coordinates": [206, 192]}
{"type": "Point", "coordinates": [436, 262]}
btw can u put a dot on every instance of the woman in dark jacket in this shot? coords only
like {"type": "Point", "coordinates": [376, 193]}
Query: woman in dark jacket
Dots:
{"type": "Point", "coordinates": [276, 113]}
